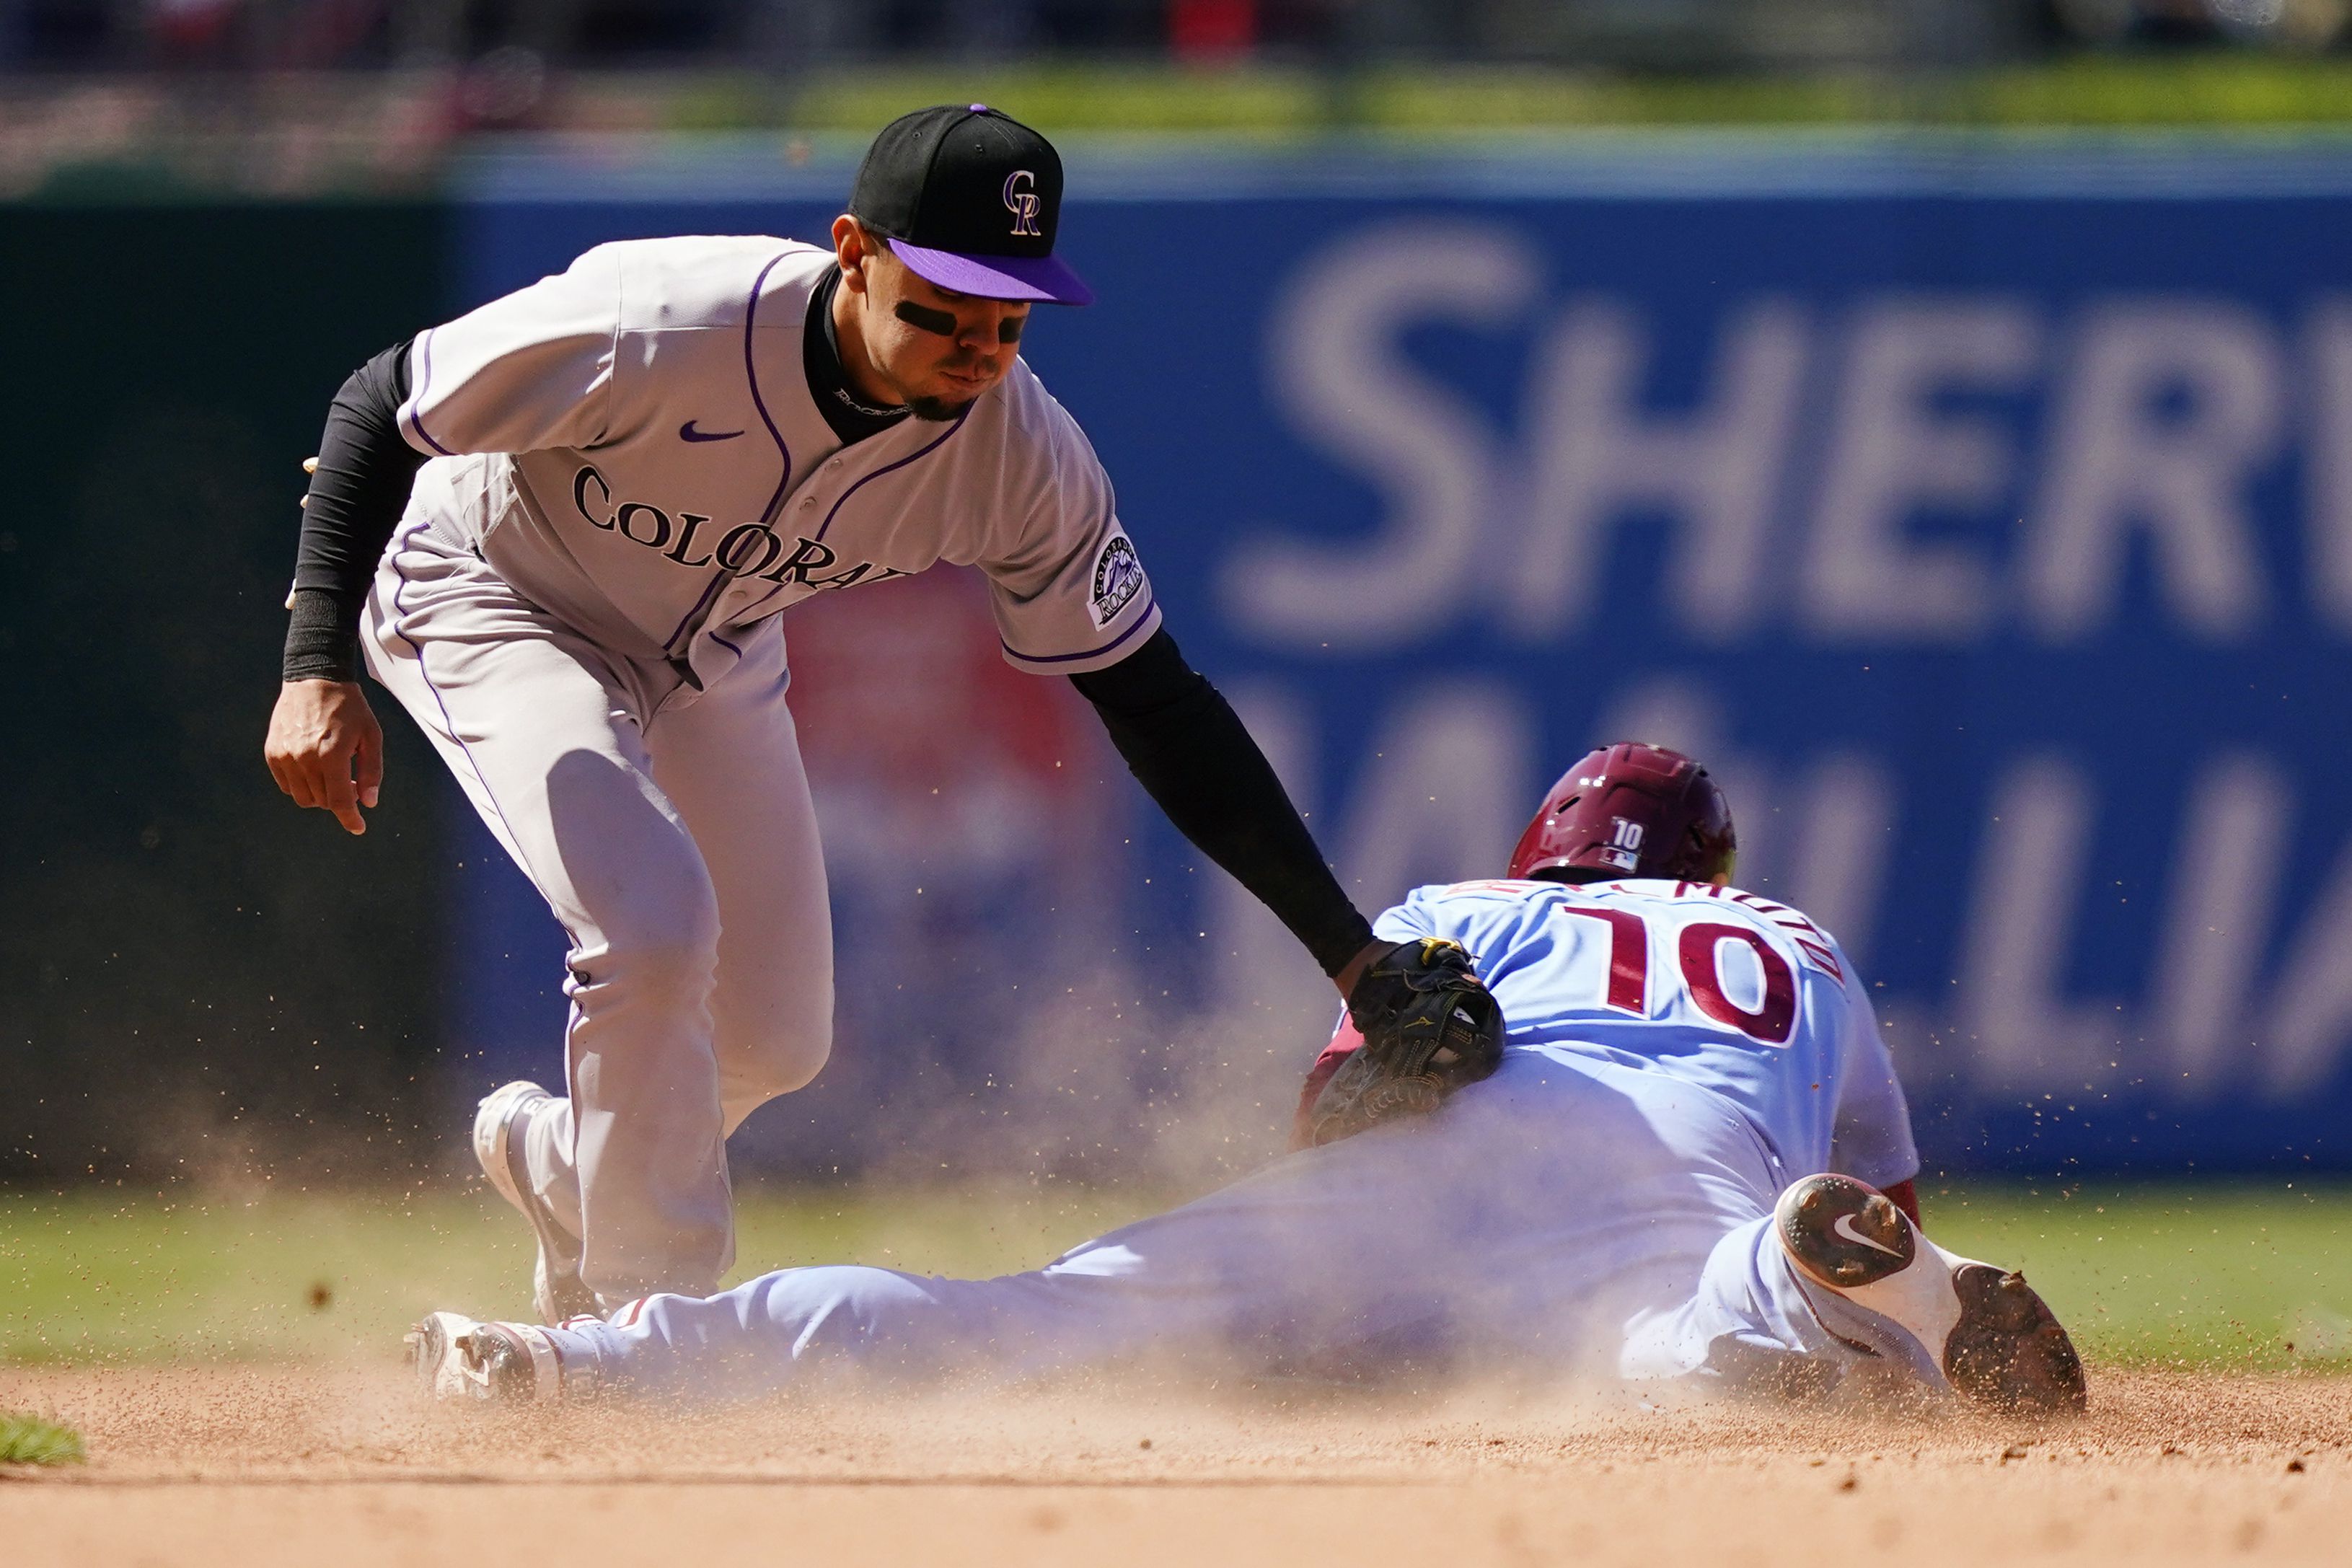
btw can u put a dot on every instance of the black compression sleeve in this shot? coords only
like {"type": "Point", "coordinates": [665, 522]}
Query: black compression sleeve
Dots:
{"type": "Point", "coordinates": [365, 472]}
{"type": "Point", "coordinates": [1190, 752]}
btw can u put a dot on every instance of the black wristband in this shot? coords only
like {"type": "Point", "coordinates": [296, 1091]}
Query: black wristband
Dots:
{"type": "Point", "coordinates": [322, 636]}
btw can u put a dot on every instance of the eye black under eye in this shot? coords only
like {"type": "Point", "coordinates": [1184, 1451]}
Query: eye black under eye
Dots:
{"type": "Point", "coordinates": [1008, 331]}
{"type": "Point", "coordinates": [941, 322]}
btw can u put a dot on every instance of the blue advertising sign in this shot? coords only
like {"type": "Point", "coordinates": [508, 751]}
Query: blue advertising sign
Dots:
{"type": "Point", "coordinates": [1990, 537]}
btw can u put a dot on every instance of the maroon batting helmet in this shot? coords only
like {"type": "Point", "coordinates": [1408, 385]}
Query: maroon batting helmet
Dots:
{"type": "Point", "coordinates": [1631, 810]}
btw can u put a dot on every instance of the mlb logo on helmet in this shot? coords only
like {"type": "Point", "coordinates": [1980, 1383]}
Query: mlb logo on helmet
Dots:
{"type": "Point", "coordinates": [1624, 847]}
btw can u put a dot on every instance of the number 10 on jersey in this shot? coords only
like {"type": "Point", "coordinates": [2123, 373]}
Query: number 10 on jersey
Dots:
{"type": "Point", "coordinates": [1697, 952]}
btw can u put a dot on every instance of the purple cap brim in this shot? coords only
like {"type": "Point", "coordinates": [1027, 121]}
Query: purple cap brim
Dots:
{"type": "Point", "coordinates": [1043, 277]}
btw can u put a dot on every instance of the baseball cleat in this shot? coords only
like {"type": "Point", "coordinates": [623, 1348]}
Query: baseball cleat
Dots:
{"type": "Point", "coordinates": [1994, 1339]}
{"type": "Point", "coordinates": [557, 1289]}
{"type": "Point", "coordinates": [455, 1357]}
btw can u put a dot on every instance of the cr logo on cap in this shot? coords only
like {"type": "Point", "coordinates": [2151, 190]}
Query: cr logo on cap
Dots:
{"type": "Point", "coordinates": [1020, 201]}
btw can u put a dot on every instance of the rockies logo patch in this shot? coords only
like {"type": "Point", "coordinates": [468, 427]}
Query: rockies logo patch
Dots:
{"type": "Point", "coordinates": [1119, 577]}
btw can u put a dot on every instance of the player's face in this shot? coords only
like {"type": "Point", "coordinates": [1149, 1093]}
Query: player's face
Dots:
{"type": "Point", "coordinates": [937, 350]}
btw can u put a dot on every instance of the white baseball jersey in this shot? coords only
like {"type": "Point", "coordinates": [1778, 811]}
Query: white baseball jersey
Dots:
{"type": "Point", "coordinates": [1721, 988]}
{"type": "Point", "coordinates": [633, 445]}
{"type": "Point", "coordinates": [629, 478]}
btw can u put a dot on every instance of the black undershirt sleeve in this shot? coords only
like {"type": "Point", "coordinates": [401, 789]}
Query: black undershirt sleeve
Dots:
{"type": "Point", "coordinates": [1188, 750]}
{"type": "Point", "coordinates": [365, 472]}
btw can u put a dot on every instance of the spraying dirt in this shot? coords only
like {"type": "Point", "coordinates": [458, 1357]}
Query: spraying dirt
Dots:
{"type": "Point", "coordinates": [305, 1466]}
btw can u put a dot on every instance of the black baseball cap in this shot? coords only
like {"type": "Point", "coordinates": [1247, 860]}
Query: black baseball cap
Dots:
{"type": "Point", "coordinates": [970, 199]}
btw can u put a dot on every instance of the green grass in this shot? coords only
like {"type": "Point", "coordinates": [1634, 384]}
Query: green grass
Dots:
{"type": "Point", "coordinates": [2236, 1275]}
{"type": "Point", "coordinates": [1272, 100]}
{"type": "Point", "coordinates": [31, 1440]}
{"type": "Point", "coordinates": [2221, 1275]}
{"type": "Point", "coordinates": [106, 1276]}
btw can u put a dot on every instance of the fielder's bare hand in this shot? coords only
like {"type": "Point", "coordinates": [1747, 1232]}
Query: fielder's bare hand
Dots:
{"type": "Point", "coordinates": [325, 748]}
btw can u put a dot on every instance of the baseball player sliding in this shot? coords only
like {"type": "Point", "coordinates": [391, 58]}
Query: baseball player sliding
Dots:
{"type": "Point", "coordinates": [1686, 1157]}
{"type": "Point", "coordinates": [561, 529]}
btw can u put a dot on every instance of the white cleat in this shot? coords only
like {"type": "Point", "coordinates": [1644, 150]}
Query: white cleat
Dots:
{"type": "Point", "coordinates": [458, 1357]}
{"type": "Point", "coordinates": [1984, 1329]}
{"type": "Point", "coordinates": [557, 1289]}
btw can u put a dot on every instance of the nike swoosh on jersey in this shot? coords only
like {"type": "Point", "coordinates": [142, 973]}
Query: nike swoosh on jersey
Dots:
{"type": "Point", "coordinates": [686, 432]}
{"type": "Point", "coordinates": [1843, 1226]}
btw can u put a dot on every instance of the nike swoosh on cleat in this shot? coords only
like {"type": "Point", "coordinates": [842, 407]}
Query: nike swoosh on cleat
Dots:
{"type": "Point", "coordinates": [1843, 1226]}
{"type": "Point", "coordinates": [686, 432]}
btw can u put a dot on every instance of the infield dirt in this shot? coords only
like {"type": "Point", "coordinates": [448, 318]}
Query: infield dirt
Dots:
{"type": "Point", "coordinates": [309, 1467]}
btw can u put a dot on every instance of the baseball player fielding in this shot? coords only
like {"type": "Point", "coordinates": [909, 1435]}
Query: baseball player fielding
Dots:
{"type": "Point", "coordinates": [564, 530]}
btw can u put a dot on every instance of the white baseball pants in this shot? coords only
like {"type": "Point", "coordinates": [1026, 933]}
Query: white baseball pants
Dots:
{"type": "Point", "coordinates": [671, 832]}
{"type": "Point", "coordinates": [1595, 1222]}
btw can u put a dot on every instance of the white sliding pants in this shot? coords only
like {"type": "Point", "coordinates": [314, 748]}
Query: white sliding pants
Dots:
{"type": "Point", "coordinates": [1588, 1219]}
{"type": "Point", "coordinates": [671, 832]}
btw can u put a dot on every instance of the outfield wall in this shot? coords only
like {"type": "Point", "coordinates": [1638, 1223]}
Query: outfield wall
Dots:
{"type": "Point", "coordinates": [1987, 521]}
{"type": "Point", "coordinates": [1985, 516]}
{"type": "Point", "coordinates": [194, 980]}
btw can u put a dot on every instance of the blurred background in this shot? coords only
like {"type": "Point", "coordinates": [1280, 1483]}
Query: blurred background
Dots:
{"type": "Point", "coordinates": [1936, 413]}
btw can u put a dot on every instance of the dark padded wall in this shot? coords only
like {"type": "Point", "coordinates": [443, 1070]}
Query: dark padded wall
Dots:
{"type": "Point", "coordinates": [196, 979]}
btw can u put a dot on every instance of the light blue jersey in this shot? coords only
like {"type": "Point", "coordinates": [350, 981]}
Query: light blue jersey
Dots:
{"type": "Point", "coordinates": [1716, 987]}
{"type": "Point", "coordinates": [1601, 1207]}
